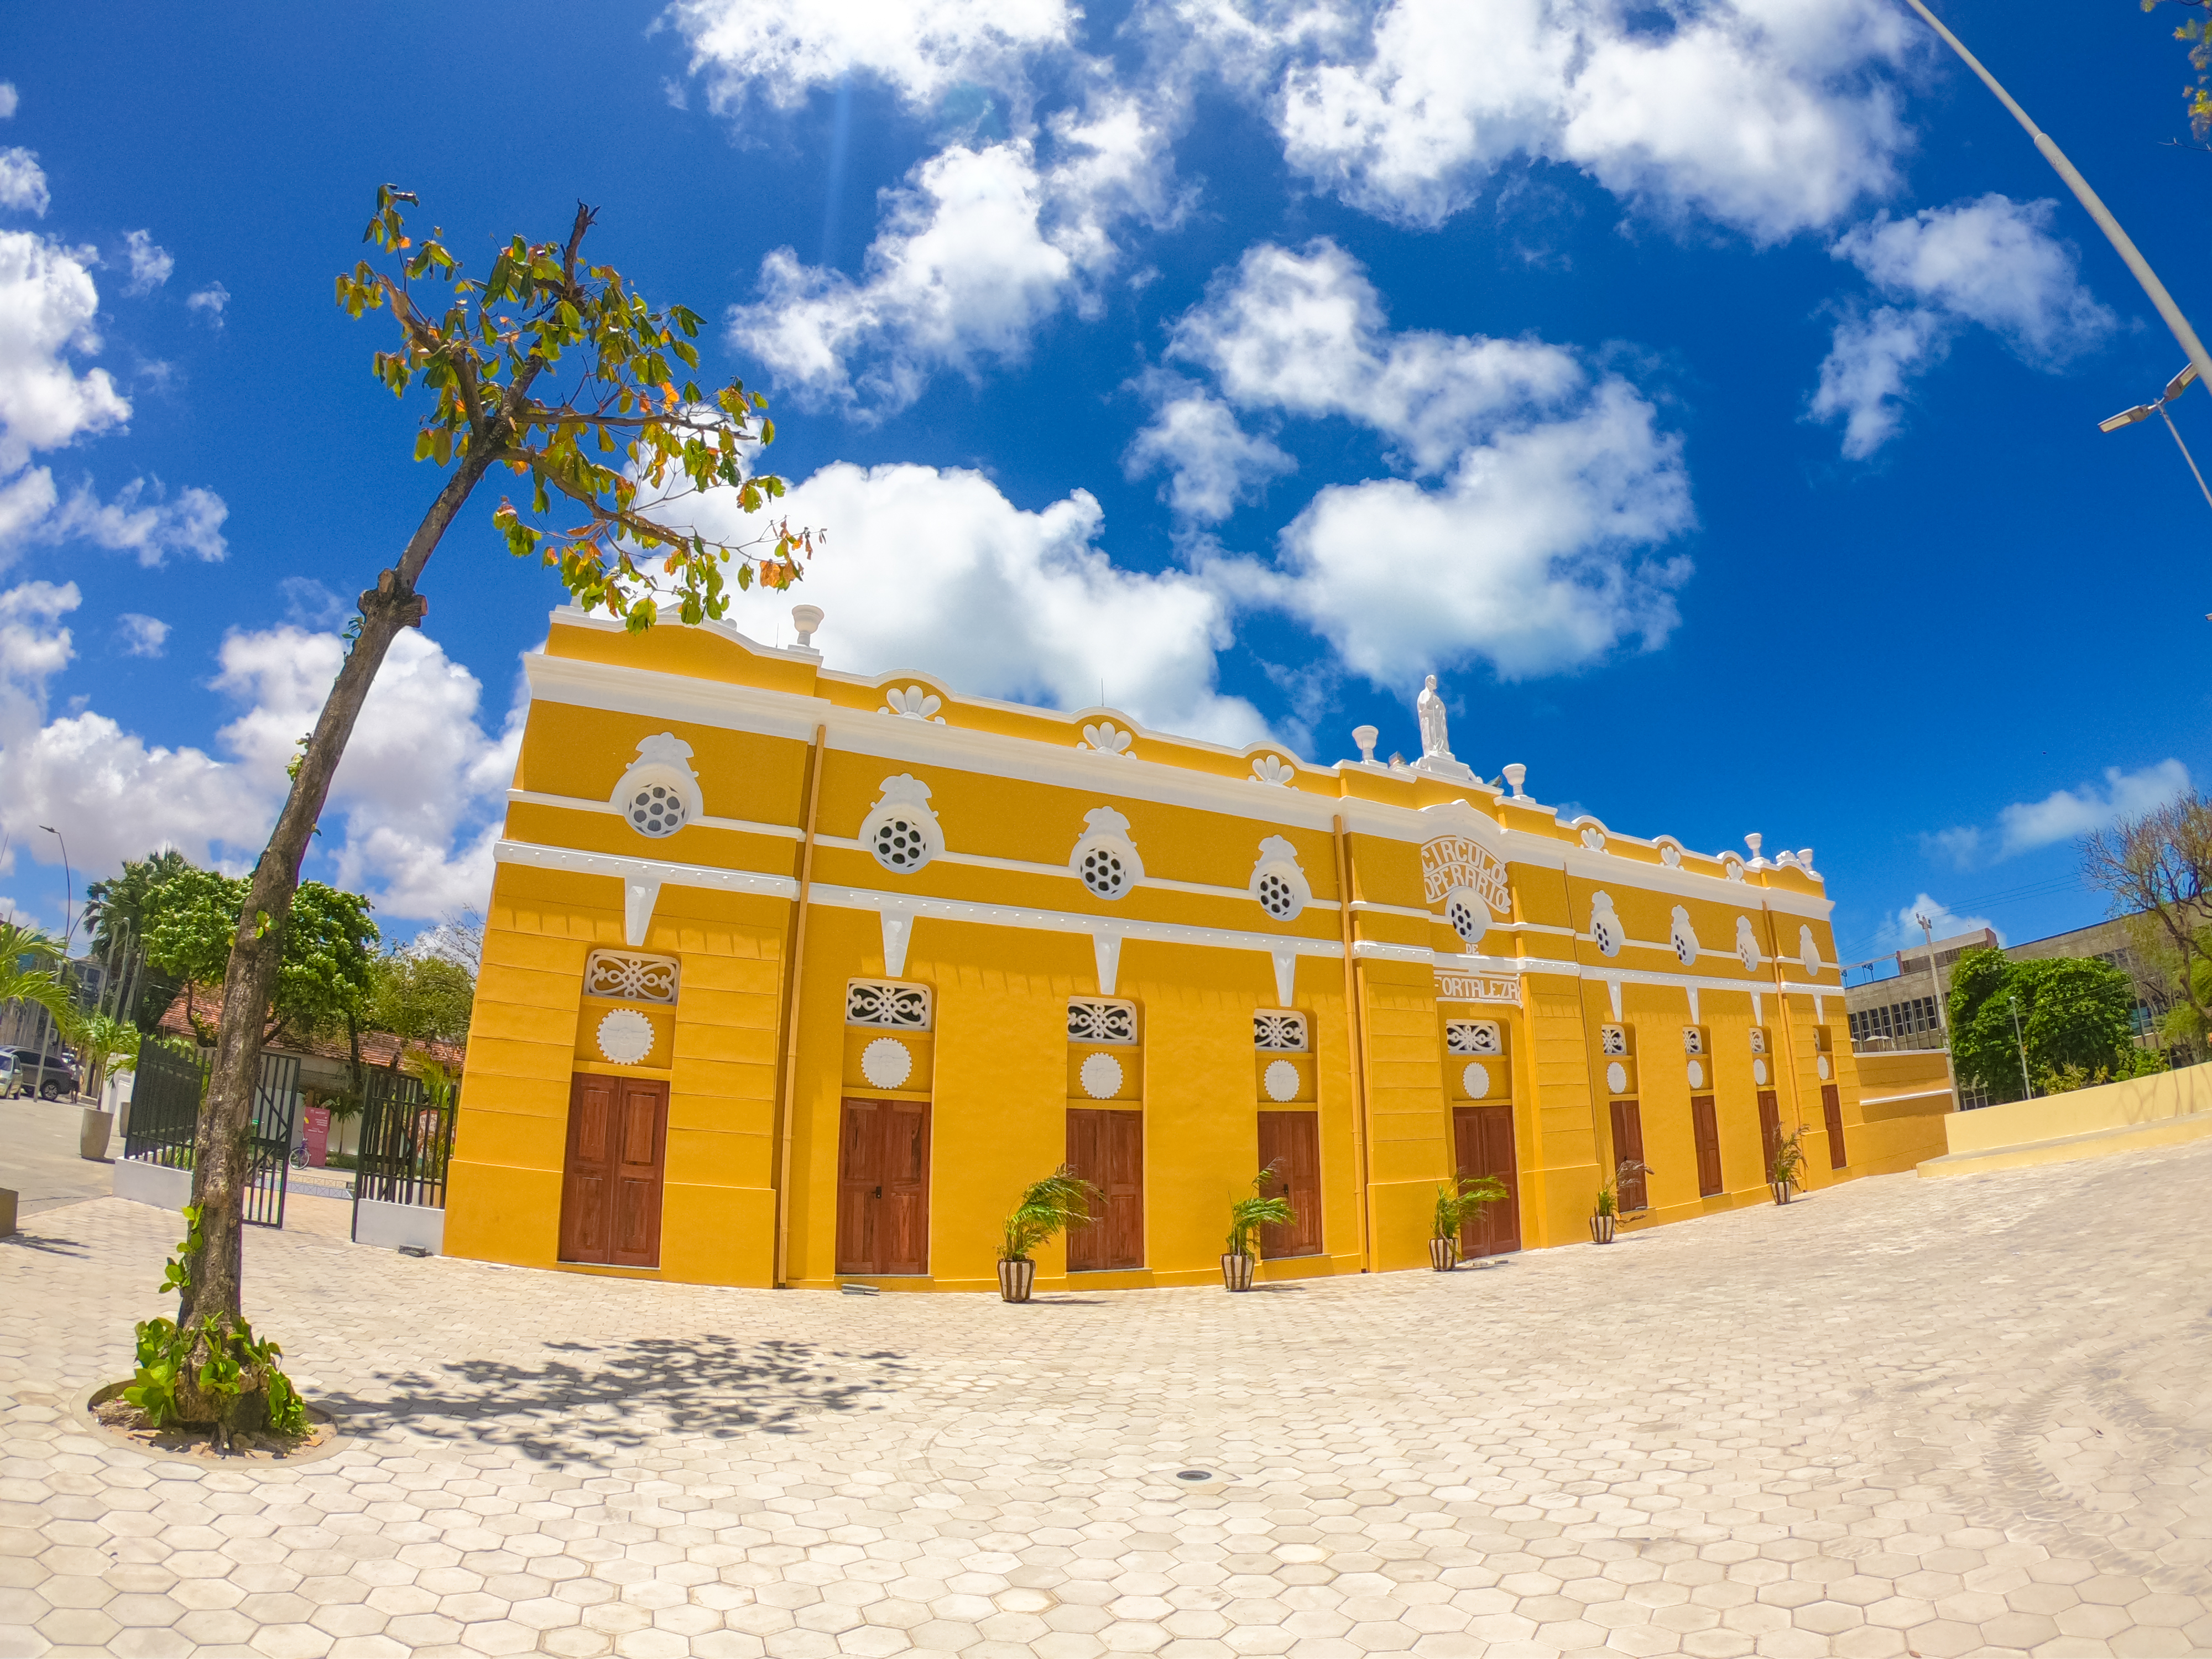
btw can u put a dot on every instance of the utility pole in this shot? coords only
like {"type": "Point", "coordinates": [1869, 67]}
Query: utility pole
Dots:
{"type": "Point", "coordinates": [2026, 1082]}
{"type": "Point", "coordinates": [1942, 1019]}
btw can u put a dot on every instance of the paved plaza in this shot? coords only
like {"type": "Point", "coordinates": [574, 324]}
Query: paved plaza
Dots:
{"type": "Point", "coordinates": [1902, 1417]}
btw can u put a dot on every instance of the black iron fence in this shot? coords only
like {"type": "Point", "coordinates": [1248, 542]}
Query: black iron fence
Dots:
{"type": "Point", "coordinates": [406, 1142]}
{"type": "Point", "coordinates": [165, 1106]}
{"type": "Point", "coordinates": [165, 1116]}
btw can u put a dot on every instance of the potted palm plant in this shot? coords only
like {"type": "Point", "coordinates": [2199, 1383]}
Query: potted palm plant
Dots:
{"type": "Point", "coordinates": [1062, 1200]}
{"type": "Point", "coordinates": [1789, 1162]}
{"type": "Point", "coordinates": [1458, 1201]}
{"type": "Point", "coordinates": [1605, 1220]}
{"type": "Point", "coordinates": [1246, 1217]}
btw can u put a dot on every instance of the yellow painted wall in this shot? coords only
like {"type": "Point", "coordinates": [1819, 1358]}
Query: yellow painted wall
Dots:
{"type": "Point", "coordinates": [997, 1067]}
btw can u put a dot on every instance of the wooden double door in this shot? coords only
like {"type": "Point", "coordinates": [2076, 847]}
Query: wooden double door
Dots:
{"type": "Point", "coordinates": [1290, 1143]}
{"type": "Point", "coordinates": [883, 1187]}
{"type": "Point", "coordinates": [1705, 1129]}
{"type": "Point", "coordinates": [1628, 1148]}
{"type": "Point", "coordinates": [1107, 1149]}
{"type": "Point", "coordinates": [1483, 1138]}
{"type": "Point", "coordinates": [617, 1155]}
{"type": "Point", "coordinates": [1831, 1109]}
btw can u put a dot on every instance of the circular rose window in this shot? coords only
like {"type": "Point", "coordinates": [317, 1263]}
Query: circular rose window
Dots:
{"type": "Point", "coordinates": [625, 1036]}
{"type": "Point", "coordinates": [886, 1063]}
{"type": "Point", "coordinates": [1102, 1077]}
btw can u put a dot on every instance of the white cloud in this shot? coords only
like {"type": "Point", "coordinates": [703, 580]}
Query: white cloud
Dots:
{"type": "Point", "coordinates": [309, 604]}
{"type": "Point", "coordinates": [415, 794]}
{"type": "Point", "coordinates": [936, 571]}
{"type": "Point", "coordinates": [141, 636]}
{"type": "Point", "coordinates": [977, 250]}
{"type": "Point", "coordinates": [151, 528]}
{"type": "Point", "coordinates": [8, 99]}
{"type": "Point", "coordinates": [1531, 554]}
{"type": "Point", "coordinates": [209, 302]}
{"type": "Point", "coordinates": [47, 304]}
{"type": "Point", "coordinates": [22, 182]}
{"type": "Point", "coordinates": [1868, 369]}
{"type": "Point", "coordinates": [1991, 261]}
{"type": "Point", "coordinates": [1903, 929]}
{"type": "Point", "coordinates": [150, 265]}
{"type": "Point", "coordinates": [1765, 115]}
{"type": "Point", "coordinates": [47, 307]}
{"type": "Point", "coordinates": [781, 50]}
{"type": "Point", "coordinates": [1212, 463]}
{"type": "Point", "coordinates": [1305, 331]}
{"type": "Point", "coordinates": [1531, 549]}
{"type": "Point", "coordinates": [2066, 813]}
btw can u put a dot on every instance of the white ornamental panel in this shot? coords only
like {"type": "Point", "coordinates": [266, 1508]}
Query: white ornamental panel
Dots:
{"type": "Point", "coordinates": [627, 975]}
{"type": "Point", "coordinates": [1281, 1078]}
{"type": "Point", "coordinates": [625, 1036]}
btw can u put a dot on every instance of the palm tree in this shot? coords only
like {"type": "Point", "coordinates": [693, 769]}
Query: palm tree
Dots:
{"type": "Point", "coordinates": [28, 972]}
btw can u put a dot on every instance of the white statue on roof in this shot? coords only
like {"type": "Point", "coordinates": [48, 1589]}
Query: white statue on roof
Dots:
{"type": "Point", "coordinates": [1435, 740]}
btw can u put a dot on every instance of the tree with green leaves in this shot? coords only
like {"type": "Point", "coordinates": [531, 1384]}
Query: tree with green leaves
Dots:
{"type": "Point", "coordinates": [2075, 1024]}
{"type": "Point", "coordinates": [2197, 35]}
{"type": "Point", "coordinates": [117, 912]}
{"type": "Point", "coordinates": [324, 968]}
{"type": "Point", "coordinates": [2156, 870]}
{"type": "Point", "coordinates": [419, 1000]}
{"type": "Point", "coordinates": [30, 970]}
{"type": "Point", "coordinates": [559, 373]}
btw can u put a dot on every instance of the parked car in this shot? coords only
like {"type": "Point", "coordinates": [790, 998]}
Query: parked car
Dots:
{"type": "Point", "coordinates": [21, 1076]}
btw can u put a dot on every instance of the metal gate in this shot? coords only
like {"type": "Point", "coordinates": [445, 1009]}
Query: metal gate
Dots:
{"type": "Point", "coordinates": [268, 1139]}
{"type": "Point", "coordinates": [406, 1142]}
{"type": "Point", "coordinates": [165, 1116]}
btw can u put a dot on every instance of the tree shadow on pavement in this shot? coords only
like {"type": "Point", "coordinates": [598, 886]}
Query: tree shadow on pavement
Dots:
{"type": "Point", "coordinates": [619, 1397]}
{"type": "Point", "coordinates": [46, 1246]}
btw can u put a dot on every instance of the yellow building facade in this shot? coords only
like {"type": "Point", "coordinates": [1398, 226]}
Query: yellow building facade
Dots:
{"type": "Point", "coordinates": [793, 977]}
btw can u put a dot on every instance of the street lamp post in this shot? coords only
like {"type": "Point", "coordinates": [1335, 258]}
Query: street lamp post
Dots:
{"type": "Point", "coordinates": [2026, 1082]}
{"type": "Point", "coordinates": [2074, 182]}
{"type": "Point", "coordinates": [2174, 388]}
{"type": "Point", "coordinates": [1942, 1021]}
{"type": "Point", "coordinates": [68, 932]}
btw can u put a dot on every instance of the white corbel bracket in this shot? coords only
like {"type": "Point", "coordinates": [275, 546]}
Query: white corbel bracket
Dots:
{"type": "Point", "coordinates": [638, 896]}
{"type": "Point", "coordinates": [1108, 947]}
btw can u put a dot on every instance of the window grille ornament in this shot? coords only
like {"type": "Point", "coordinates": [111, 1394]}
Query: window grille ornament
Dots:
{"type": "Point", "coordinates": [659, 795]}
{"type": "Point", "coordinates": [1101, 1019]}
{"type": "Point", "coordinates": [1613, 1040]}
{"type": "Point", "coordinates": [1747, 945]}
{"type": "Point", "coordinates": [1450, 861]}
{"type": "Point", "coordinates": [1278, 1028]}
{"type": "Point", "coordinates": [635, 978]}
{"type": "Point", "coordinates": [1684, 938]}
{"type": "Point", "coordinates": [1759, 1039]}
{"type": "Point", "coordinates": [1473, 1036]}
{"type": "Point", "coordinates": [887, 1002]}
{"type": "Point", "coordinates": [1104, 858]}
{"type": "Point", "coordinates": [1276, 882]}
{"type": "Point", "coordinates": [901, 830]}
{"type": "Point", "coordinates": [1606, 931]}
{"type": "Point", "coordinates": [1694, 1040]}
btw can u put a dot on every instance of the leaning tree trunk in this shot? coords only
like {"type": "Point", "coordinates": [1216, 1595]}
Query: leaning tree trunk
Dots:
{"type": "Point", "coordinates": [221, 1165]}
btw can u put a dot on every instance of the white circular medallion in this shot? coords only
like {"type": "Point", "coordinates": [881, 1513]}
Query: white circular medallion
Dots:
{"type": "Point", "coordinates": [625, 1036]}
{"type": "Point", "coordinates": [1824, 1068]}
{"type": "Point", "coordinates": [1281, 1078]}
{"type": "Point", "coordinates": [1475, 1079]}
{"type": "Point", "coordinates": [1758, 1072]}
{"type": "Point", "coordinates": [1102, 1077]}
{"type": "Point", "coordinates": [886, 1063]}
{"type": "Point", "coordinates": [1616, 1078]}
{"type": "Point", "coordinates": [1696, 1074]}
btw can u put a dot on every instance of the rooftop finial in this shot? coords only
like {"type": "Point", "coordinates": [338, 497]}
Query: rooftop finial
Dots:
{"type": "Point", "coordinates": [806, 619]}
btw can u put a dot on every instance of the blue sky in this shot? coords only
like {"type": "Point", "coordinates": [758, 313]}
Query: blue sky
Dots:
{"type": "Point", "coordinates": [1706, 392]}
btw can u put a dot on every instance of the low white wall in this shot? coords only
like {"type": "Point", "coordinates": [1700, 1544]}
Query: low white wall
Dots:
{"type": "Point", "coordinates": [2138, 1101]}
{"type": "Point", "coordinates": [399, 1226]}
{"type": "Point", "coordinates": [144, 1182]}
